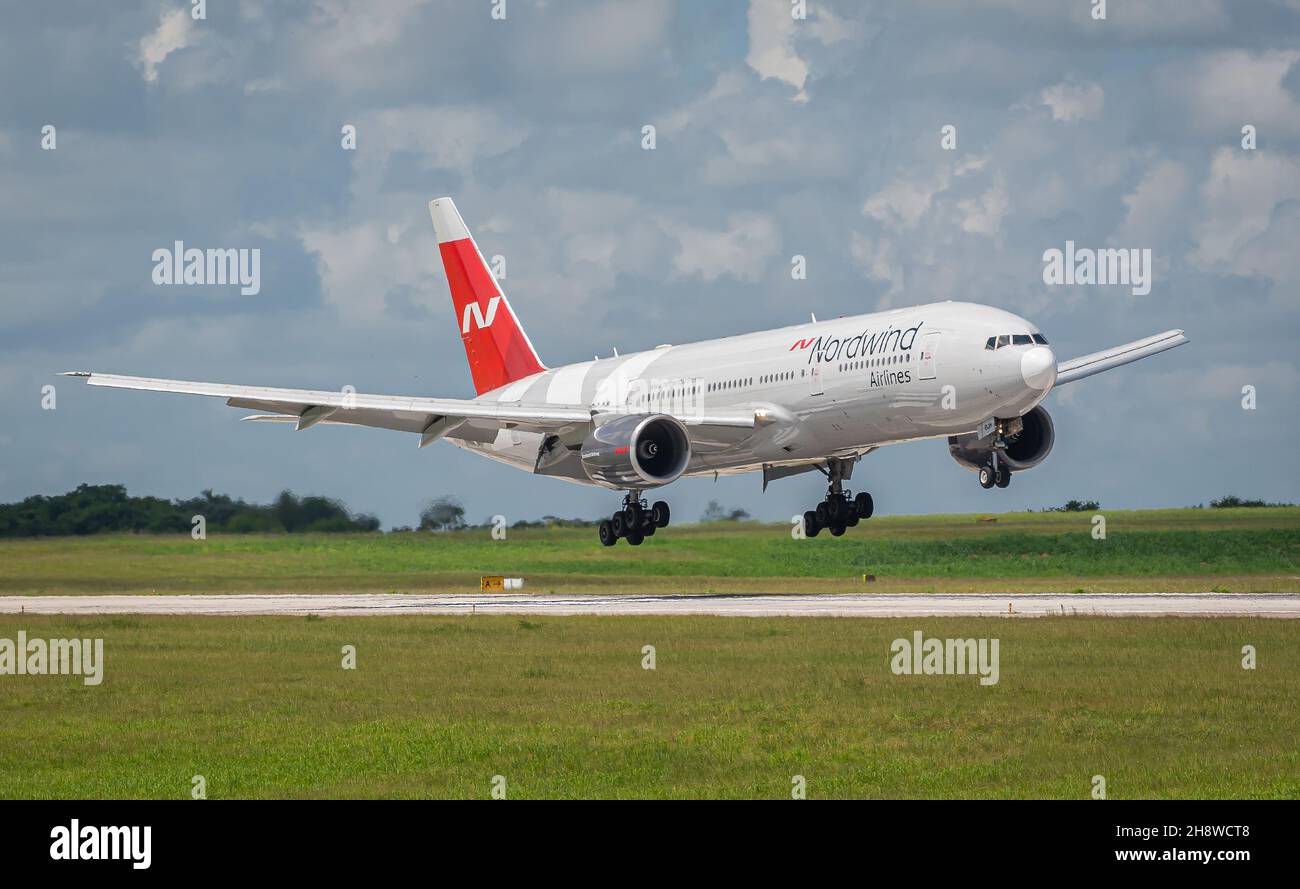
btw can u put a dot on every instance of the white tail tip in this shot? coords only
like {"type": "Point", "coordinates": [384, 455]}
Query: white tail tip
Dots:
{"type": "Point", "coordinates": [447, 223]}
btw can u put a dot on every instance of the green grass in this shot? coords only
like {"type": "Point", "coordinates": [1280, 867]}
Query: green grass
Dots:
{"type": "Point", "coordinates": [1239, 550]}
{"type": "Point", "coordinates": [561, 707]}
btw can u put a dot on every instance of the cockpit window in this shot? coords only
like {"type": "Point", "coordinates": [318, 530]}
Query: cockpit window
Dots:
{"type": "Point", "coordinates": [1015, 339]}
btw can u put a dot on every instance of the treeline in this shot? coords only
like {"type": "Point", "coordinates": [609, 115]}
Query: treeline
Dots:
{"type": "Point", "coordinates": [101, 509]}
{"type": "Point", "coordinates": [1232, 501]}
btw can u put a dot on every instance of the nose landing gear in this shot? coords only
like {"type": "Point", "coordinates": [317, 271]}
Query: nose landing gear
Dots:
{"type": "Point", "coordinates": [634, 522]}
{"type": "Point", "coordinates": [996, 471]}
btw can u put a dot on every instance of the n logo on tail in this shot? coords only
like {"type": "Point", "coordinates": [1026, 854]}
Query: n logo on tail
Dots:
{"type": "Point", "coordinates": [475, 314]}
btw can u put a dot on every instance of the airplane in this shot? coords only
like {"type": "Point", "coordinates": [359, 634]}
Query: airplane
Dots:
{"type": "Point", "coordinates": [811, 397]}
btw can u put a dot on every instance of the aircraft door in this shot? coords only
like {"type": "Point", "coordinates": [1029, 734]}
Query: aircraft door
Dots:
{"type": "Point", "coordinates": [929, 344]}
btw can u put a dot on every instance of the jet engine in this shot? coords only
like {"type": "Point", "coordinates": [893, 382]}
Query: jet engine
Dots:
{"type": "Point", "coordinates": [636, 451]}
{"type": "Point", "coordinates": [1028, 440]}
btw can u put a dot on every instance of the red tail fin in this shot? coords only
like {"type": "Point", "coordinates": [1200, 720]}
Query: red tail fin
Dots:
{"type": "Point", "coordinates": [496, 346]}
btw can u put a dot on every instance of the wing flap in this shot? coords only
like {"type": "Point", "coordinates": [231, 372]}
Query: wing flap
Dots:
{"type": "Point", "coordinates": [1087, 365]}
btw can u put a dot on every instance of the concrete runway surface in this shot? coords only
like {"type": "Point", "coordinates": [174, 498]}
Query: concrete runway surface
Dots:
{"type": "Point", "coordinates": [746, 605]}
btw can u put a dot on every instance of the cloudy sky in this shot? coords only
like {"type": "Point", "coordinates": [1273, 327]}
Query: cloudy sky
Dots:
{"type": "Point", "coordinates": [774, 137]}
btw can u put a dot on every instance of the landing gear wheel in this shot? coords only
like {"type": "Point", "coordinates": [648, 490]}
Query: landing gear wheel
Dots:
{"type": "Point", "coordinates": [837, 509]}
{"type": "Point", "coordinates": [648, 528]}
{"type": "Point", "coordinates": [633, 517]}
{"type": "Point", "coordinates": [837, 530]}
{"type": "Point", "coordinates": [852, 520]}
{"type": "Point", "coordinates": [607, 535]}
{"type": "Point", "coordinates": [635, 538]}
{"type": "Point", "coordinates": [863, 505]}
{"type": "Point", "coordinates": [659, 512]}
{"type": "Point", "coordinates": [823, 514]}
{"type": "Point", "coordinates": [1004, 477]}
{"type": "Point", "coordinates": [987, 478]}
{"type": "Point", "coordinates": [811, 526]}
{"type": "Point", "coordinates": [619, 524]}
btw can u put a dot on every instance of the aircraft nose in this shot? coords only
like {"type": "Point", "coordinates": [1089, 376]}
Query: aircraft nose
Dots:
{"type": "Point", "coordinates": [1038, 367]}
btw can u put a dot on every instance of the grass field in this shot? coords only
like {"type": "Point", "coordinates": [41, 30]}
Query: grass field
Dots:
{"type": "Point", "coordinates": [1177, 550]}
{"type": "Point", "coordinates": [736, 706]}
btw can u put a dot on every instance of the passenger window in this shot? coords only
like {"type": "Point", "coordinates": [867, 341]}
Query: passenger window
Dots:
{"type": "Point", "coordinates": [1003, 340]}
{"type": "Point", "coordinates": [1021, 339]}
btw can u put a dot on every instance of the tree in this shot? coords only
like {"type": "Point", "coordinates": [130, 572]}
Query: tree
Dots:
{"type": "Point", "coordinates": [1232, 500]}
{"type": "Point", "coordinates": [716, 512]}
{"type": "Point", "coordinates": [443, 514]}
{"type": "Point", "coordinates": [1076, 506]}
{"type": "Point", "coordinates": [96, 509]}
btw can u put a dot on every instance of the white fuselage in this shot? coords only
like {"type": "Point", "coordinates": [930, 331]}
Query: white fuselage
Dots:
{"type": "Point", "coordinates": [833, 388]}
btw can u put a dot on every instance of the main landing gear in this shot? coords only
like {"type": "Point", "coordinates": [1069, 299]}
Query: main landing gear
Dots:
{"type": "Point", "coordinates": [634, 522]}
{"type": "Point", "coordinates": [840, 510]}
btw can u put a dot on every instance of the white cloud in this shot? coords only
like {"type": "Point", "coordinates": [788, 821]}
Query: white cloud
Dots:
{"type": "Point", "coordinates": [444, 137]}
{"type": "Point", "coordinates": [755, 152]}
{"type": "Point", "coordinates": [772, 33]}
{"type": "Point", "coordinates": [352, 43]}
{"type": "Point", "coordinates": [903, 202]}
{"type": "Point", "coordinates": [382, 246]}
{"type": "Point", "coordinates": [361, 264]}
{"type": "Point", "coordinates": [771, 37]}
{"type": "Point", "coordinates": [1073, 102]}
{"type": "Point", "coordinates": [984, 215]}
{"type": "Point", "coordinates": [1127, 21]}
{"type": "Point", "coordinates": [1156, 208]}
{"type": "Point", "coordinates": [1225, 90]}
{"type": "Point", "coordinates": [741, 251]}
{"type": "Point", "coordinates": [1238, 202]}
{"type": "Point", "coordinates": [878, 259]}
{"type": "Point", "coordinates": [827, 28]}
{"type": "Point", "coordinates": [175, 31]}
{"type": "Point", "coordinates": [607, 37]}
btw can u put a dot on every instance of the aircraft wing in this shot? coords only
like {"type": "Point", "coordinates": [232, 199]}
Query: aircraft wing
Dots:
{"type": "Point", "coordinates": [1087, 365]}
{"type": "Point", "coordinates": [432, 418]}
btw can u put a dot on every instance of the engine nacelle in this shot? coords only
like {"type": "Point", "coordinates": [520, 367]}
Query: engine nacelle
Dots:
{"type": "Point", "coordinates": [637, 451]}
{"type": "Point", "coordinates": [1029, 441]}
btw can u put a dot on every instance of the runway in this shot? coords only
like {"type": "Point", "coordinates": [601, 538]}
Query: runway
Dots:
{"type": "Point", "coordinates": [748, 605]}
